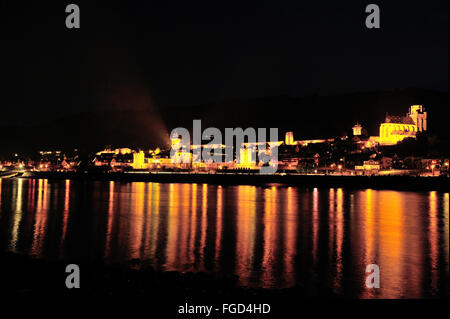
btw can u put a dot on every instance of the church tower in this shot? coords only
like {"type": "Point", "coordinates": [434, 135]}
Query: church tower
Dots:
{"type": "Point", "coordinates": [357, 129]}
{"type": "Point", "coordinates": [289, 138]}
{"type": "Point", "coordinates": [419, 116]}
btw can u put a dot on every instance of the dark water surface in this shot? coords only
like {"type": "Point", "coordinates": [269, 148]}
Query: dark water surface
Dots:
{"type": "Point", "coordinates": [273, 236]}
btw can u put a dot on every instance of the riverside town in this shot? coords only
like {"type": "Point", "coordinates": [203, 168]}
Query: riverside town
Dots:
{"type": "Point", "coordinates": [389, 153]}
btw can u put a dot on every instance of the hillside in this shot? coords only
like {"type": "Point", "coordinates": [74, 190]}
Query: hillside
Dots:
{"type": "Point", "coordinates": [309, 117]}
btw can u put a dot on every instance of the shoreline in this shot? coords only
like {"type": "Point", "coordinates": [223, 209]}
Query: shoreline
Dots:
{"type": "Point", "coordinates": [404, 183]}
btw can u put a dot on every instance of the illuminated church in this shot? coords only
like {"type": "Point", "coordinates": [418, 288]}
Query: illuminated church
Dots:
{"type": "Point", "coordinates": [393, 130]}
{"type": "Point", "coordinates": [396, 128]}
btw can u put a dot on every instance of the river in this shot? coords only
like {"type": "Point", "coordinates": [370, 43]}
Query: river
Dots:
{"type": "Point", "coordinates": [271, 236]}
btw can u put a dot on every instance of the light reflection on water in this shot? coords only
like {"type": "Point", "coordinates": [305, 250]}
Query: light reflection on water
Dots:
{"type": "Point", "coordinates": [274, 236]}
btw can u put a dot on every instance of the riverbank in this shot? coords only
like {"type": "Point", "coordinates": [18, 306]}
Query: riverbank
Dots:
{"type": "Point", "coordinates": [407, 183]}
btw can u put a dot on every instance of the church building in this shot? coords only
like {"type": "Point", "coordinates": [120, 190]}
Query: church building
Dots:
{"type": "Point", "coordinates": [396, 128]}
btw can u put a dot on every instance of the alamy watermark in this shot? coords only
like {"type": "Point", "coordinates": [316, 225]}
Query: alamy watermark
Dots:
{"type": "Point", "coordinates": [73, 279]}
{"type": "Point", "coordinates": [250, 143]}
{"type": "Point", "coordinates": [73, 18]}
{"type": "Point", "coordinates": [373, 278]}
{"type": "Point", "coordinates": [373, 19]}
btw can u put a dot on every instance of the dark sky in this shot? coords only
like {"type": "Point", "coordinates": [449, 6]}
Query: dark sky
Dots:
{"type": "Point", "coordinates": [130, 54]}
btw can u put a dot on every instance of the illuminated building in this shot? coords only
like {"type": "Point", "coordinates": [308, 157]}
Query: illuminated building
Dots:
{"type": "Point", "coordinates": [181, 157]}
{"type": "Point", "coordinates": [175, 142]}
{"type": "Point", "coordinates": [386, 162]}
{"type": "Point", "coordinates": [357, 129]}
{"type": "Point", "coordinates": [307, 142]}
{"type": "Point", "coordinates": [369, 167]}
{"type": "Point", "coordinates": [139, 160]}
{"type": "Point", "coordinates": [116, 151]}
{"type": "Point", "coordinates": [396, 128]}
{"type": "Point", "coordinates": [419, 116]}
{"type": "Point", "coordinates": [289, 139]}
{"type": "Point", "coordinates": [247, 158]}
{"type": "Point", "coordinates": [118, 158]}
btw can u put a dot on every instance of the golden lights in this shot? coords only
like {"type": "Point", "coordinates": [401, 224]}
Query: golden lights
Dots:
{"type": "Point", "coordinates": [266, 231]}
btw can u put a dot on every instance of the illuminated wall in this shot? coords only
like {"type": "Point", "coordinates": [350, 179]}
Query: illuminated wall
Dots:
{"type": "Point", "coordinates": [392, 133]}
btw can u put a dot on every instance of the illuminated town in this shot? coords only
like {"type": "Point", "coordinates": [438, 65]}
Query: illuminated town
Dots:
{"type": "Point", "coordinates": [223, 159]}
{"type": "Point", "coordinates": [358, 154]}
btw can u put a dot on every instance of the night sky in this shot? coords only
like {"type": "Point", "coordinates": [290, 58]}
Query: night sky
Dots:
{"type": "Point", "coordinates": [159, 54]}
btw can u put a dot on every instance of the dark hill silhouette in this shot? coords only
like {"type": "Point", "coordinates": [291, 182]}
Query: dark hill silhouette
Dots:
{"type": "Point", "coordinates": [309, 117]}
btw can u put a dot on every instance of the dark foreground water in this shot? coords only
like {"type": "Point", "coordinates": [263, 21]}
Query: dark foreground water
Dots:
{"type": "Point", "coordinates": [272, 237]}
